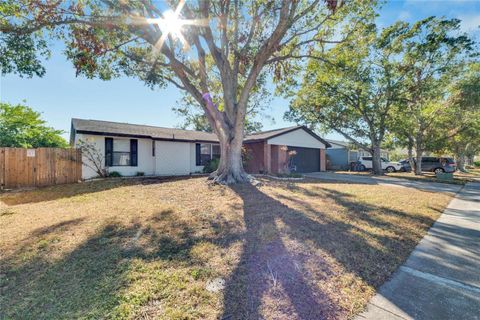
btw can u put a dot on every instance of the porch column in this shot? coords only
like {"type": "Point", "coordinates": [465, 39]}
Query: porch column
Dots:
{"type": "Point", "coordinates": [323, 160]}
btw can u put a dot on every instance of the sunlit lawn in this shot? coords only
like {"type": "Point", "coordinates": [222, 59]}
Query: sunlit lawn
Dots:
{"type": "Point", "coordinates": [147, 249]}
{"type": "Point", "coordinates": [458, 177]}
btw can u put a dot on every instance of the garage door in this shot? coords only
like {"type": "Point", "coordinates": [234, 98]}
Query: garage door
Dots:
{"type": "Point", "coordinates": [305, 159]}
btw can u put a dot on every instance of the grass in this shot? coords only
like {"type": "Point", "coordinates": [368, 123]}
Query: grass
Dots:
{"type": "Point", "coordinates": [459, 178]}
{"type": "Point", "coordinates": [146, 249]}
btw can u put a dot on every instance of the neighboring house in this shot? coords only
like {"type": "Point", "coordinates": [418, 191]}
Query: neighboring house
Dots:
{"type": "Point", "coordinates": [342, 153]}
{"type": "Point", "coordinates": [130, 149]}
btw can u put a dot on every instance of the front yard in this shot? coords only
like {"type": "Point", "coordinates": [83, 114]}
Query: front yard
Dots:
{"type": "Point", "coordinates": [149, 249]}
{"type": "Point", "coordinates": [460, 178]}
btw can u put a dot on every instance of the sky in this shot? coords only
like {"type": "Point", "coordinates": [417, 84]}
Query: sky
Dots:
{"type": "Point", "coordinates": [60, 95]}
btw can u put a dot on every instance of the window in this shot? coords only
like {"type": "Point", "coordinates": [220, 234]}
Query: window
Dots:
{"type": "Point", "coordinates": [429, 160]}
{"type": "Point", "coordinates": [206, 152]}
{"type": "Point", "coordinates": [153, 148]}
{"type": "Point", "coordinates": [215, 151]}
{"type": "Point", "coordinates": [121, 152]}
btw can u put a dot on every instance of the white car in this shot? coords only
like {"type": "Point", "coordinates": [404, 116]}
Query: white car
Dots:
{"type": "Point", "coordinates": [366, 164]}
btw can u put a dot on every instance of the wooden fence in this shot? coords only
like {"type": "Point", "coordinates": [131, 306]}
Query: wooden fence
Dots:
{"type": "Point", "coordinates": [21, 168]}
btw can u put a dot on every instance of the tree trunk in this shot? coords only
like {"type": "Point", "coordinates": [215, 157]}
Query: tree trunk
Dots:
{"type": "Point", "coordinates": [377, 161]}
{"type": "Point", "coordinates": [410, 154]}
{"type": "Point", "coordinates": [230, 169]}
{"type": "Point", "coordinates": [418, 161]}
{"type": "Point", "coordinates": [461, 162]}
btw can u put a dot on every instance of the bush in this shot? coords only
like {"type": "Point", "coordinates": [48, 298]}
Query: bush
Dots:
{"type": "Point", "coordinates": [114, 174]}
{"type": "Point", "coordinates": [477, 163]}
{"type": "Point", "coordinates": [211, 166]}
{"type": "Point", "coordinates": [140, 174]}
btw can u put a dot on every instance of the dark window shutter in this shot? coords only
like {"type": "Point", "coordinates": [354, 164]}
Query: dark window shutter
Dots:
{"type": "Point", "coordinates": [108, 152]}
{"type": "Point", "coordinates": [133, 152]}
{"type": "Point", "coordinates": [197, 154]}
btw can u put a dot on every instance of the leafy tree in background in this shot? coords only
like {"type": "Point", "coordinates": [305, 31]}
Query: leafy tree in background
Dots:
{"type": "Point", "coordinates": [463, 109]}
{"type": "Point", "coordinates": [20, 126]}
{"type": "Point", "coordinates": [354, 92]}
{"type": "Point", "coordinates": [433, 55]}
{"type": "Point", "coordinates": [220, 53]}
{"type": "Point", "coordinates": [194, 118]}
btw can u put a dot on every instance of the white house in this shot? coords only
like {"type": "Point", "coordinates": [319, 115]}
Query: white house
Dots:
{"type": "Point", "coordinates": [132, 149]}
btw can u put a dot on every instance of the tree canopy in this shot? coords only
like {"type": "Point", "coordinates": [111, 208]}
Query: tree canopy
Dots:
{"type": "Point", "coordinates": [434, 55]}
{"type": "Point", "coordinates": [219, 52]}
{"type": "Point", "coordinates": [389, 83]}
{"type": "Point", "coordinates": [354, 91]}
{"type": "Point", "coordinates": [22, 127]}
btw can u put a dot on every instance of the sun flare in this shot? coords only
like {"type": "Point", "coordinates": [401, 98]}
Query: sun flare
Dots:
{"type": "Point", "coordinates": [171, 25]}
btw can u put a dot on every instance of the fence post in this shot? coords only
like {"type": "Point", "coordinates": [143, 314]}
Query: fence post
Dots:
{"type": "Point", "coordinates": [2, 168]}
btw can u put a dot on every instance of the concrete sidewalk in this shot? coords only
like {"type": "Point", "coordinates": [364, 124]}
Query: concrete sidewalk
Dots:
{"type": "Point", "coordinates": [441, 278]}
{"type": "Point", "coordinates": [388, 181]}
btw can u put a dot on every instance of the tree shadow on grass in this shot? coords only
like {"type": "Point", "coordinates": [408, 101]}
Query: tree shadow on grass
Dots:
{"type": "Point", "coordinates": [282, 273]}
{"type": "Point", "coordinates": [42, 194]}
{"type": "Point", "coordinates": [90, 281]}
{"type": "Point", "coordinates": [290, 256]}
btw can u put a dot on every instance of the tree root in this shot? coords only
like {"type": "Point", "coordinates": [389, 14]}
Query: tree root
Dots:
{"type": "Point", "coordinates": [228, 177]}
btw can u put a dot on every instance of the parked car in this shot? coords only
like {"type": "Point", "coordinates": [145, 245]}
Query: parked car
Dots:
{"type": "Point", "coordinates": [438, 164]}
{"type": "Point", "coordinates": [365, 163]}
{"type": "Point", "coordinates": [406, 167]}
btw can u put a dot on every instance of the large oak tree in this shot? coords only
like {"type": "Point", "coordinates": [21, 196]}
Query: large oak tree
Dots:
{"type": "Point", "coordinates": [352, 88]}
{"type": "Point", "coordinates": [191, 45]}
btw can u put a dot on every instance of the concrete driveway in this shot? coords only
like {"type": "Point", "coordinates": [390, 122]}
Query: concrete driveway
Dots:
{"type": "Point", "coordinates": [441, 278]}
{"type": "Point", "coordinates": [356, 178]}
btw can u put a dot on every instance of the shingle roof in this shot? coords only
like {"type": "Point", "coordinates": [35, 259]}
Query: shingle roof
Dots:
{"type": "Point", "coordinates": [269, 134]}
{"type": "Point", "coordinates": [339, 142]}
{"type": "Point", "coordinates": [127, 129]}
{"type": "Point", "coordinates": [118, 128]}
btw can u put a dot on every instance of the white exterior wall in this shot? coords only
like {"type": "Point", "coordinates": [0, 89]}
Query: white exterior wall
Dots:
{"type": "Point", "coordinates": [146, 163]}
{"type": "Point", "coordinates": [173, 158]}
{"type": "Point", "coordinates": [297, 138]}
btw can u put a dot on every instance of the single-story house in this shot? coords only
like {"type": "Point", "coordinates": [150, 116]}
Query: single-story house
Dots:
{"type": "Point", "coordinates": [341, 154]}
{"type": "Point", "coordinates": [131, 149]}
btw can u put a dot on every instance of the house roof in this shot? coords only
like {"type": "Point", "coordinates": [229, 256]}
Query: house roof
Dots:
{"type": "Point", "coordinates": [143, 131]}
{"type": "Point", "coordinates": [339, 142]}
{"type": "Point", "coordinates": [264, 135]}
{"type": "Point", "coordinates": [140, 131]}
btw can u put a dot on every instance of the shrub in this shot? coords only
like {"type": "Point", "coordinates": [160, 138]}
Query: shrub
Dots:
{"type": "Point", "coordinates": [114, 174]}
{"type": "Point", "coordinates": [140, 174]}
{"type": "Point", "coordinates": [477, 163]}
{"type": "Point", "coordinates": [211, 166]}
